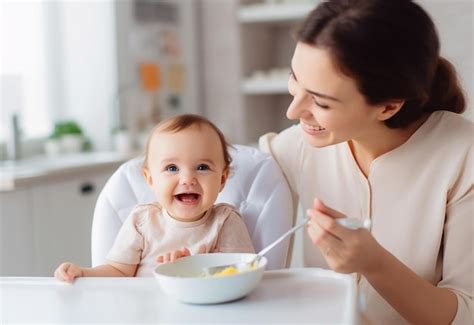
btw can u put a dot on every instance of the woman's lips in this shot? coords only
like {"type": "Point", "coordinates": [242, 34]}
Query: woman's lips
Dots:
{"type": "Point", "coordinates": [312, 129]}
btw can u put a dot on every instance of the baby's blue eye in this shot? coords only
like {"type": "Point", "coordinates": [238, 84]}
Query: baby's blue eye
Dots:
{"type": "Point", "coordinates": [202, 167]}
{"type": "Point", "coordinates": [172, 168]}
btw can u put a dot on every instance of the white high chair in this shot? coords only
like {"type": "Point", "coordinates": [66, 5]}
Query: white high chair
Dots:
{"type": "Point", "coordinates": [256, 187]}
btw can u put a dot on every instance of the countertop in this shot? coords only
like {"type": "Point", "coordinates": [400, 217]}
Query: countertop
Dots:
{"type": "Point", "coordinates": [17, 174]}
{"type": "Point", "coordinates": [285, 296]}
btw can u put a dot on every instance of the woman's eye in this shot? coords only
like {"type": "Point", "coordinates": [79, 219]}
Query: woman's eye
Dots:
{"type": "Point", "coordinates": [202, 167]}
{"type": "Point", "coordinates": [318, 104]}
{"type": "Point", "coordinates": [171, 168]}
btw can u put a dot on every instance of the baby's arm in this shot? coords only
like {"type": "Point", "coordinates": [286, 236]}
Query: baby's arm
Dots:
{"type": "Point", "coordinates": [68, 271]}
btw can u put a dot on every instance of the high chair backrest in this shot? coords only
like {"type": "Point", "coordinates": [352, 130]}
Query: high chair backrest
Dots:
{"type": "Point", "coordinates": [256, 187]}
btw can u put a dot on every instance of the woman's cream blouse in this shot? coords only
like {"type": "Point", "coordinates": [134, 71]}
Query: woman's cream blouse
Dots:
{"type": "Point", "coordinates": [419, 196]}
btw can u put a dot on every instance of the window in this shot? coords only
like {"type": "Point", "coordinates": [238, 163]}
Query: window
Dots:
{"type": "Point", "coordinates": [59, 62]}
{"type": "Point", "coordinates": [24, 77]}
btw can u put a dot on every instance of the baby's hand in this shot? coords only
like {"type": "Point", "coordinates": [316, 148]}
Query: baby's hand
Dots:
{"type": "Point", "coordinates": [68, 272]}
{"type": "Point", "coordinates": [171, 257]}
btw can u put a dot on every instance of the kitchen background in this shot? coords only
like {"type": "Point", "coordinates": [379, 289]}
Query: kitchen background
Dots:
{"type": "Point", "coordinates": [82, 83]}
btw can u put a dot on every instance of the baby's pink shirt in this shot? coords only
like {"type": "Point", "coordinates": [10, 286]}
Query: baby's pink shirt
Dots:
{"type": "Point", "coordinates": [149, 231]}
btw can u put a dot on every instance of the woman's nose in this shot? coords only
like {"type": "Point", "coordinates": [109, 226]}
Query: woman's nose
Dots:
{"type": "Point", "coordinates": [300, 104]}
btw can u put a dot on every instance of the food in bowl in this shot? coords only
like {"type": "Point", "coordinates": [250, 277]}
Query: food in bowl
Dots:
{"type": "Point", "coordinates": [227, 271]}
{"type": "Point", "coordinates": [231, 270]}
{"type": "Point", "coordinates": [182, 279]}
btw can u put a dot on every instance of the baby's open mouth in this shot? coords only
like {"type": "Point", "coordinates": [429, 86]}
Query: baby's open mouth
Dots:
{"type": "Point", "coordinates": [187, 197]}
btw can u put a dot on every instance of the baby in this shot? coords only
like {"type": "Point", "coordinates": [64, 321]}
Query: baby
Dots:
{"type": "Point", "coordinates": [186, 165]}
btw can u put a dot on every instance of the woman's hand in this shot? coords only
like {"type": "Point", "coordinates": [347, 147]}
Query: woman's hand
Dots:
{"type": "Point", "coordinates": [67, 272]}
{"type": "Point", "coordinates": [173, 256]}
{"type": "Point", "coordinates": [345, 250]}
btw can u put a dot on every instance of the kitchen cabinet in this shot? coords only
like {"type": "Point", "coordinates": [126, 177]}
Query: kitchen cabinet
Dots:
{"type": "Point", "coordinates": [63, 214]}
{"type": "Point", "coordinates": [16, 233]}
{"type": "Point", "coordinates": [49, 221]}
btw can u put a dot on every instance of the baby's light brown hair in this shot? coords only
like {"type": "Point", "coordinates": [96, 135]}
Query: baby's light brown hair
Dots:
{"type": "Point", "coordinates": [182, 122]}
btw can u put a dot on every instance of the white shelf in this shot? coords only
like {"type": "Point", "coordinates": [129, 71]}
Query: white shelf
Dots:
{"type": "Point", "coordinates": [261, 13]}
{"type": "Point", "coordinates": [263, 86]}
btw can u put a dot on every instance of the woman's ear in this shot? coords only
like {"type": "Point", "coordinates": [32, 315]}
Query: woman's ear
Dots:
{"type": "Point", "coordinates": [225, 175]}
{"type": "Point", "coordinates": [389, 109]}
{"type": "Point", "coordinates": [147, 175]}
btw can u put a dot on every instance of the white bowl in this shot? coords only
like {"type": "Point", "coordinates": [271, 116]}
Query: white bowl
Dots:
{"type": "Point", "coordinates": [184, 280]}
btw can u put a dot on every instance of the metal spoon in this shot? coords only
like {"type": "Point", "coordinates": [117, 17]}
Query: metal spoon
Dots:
{"type": "Point", "coordinates": [351, 223]}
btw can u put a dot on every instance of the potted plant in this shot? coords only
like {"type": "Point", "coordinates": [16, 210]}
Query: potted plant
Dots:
{"type": "Point", "coordinates": [68, 136]}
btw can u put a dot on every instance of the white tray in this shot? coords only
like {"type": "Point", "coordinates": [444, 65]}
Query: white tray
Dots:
{"type": "Point", "coordinates": [288, 296]}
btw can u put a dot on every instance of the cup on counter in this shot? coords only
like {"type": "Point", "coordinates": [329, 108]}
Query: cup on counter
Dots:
{"type": "Point", "coordinates": [52, 147]}
{"type": "Point", "coordinates": [123, 142]}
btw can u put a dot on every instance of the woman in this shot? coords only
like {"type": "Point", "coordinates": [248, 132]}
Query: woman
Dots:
{"type": "Point", "coordinates": [380, 137]}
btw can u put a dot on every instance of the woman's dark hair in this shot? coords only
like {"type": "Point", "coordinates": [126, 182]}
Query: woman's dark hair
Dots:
{"type": "Point", "coordinates": [391, 49]}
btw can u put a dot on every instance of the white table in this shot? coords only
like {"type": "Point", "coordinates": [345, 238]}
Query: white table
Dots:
{"type": "Point", "coordinates": [288, 296]}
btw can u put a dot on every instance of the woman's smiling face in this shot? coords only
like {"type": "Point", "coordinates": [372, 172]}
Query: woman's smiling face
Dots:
{"type": "Point", "coordinates": [327, 103]}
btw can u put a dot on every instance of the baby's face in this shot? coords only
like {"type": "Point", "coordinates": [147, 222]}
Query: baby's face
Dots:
{"type": "Point", "coordinates": [186, 171]}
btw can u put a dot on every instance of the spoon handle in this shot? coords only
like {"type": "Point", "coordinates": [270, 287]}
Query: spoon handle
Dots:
{"type": "Point", "coordinates": [286, 234]}
{"type": "Point", "coordinates": [350, 223]}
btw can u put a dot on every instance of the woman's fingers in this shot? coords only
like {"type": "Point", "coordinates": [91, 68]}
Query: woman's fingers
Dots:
{"type": "Point", "coordinates": [329, 223]}
{"type": "Point", "coordinates": [345, 250]}
{"type": "Point", "coordinates": [323, 208]}
{"type": "Point", "coordinates": [322, 238]}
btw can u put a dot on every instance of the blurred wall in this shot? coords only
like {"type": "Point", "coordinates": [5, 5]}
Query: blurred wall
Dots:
{"type": "Point", "coordinates": [221, 66]}
{"type": "Point", "coordinates": [221, 57]}
{"type": "Point", "coordinates": [85, 51]}
{"type": "Point", "coordinates": [454, 20]}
